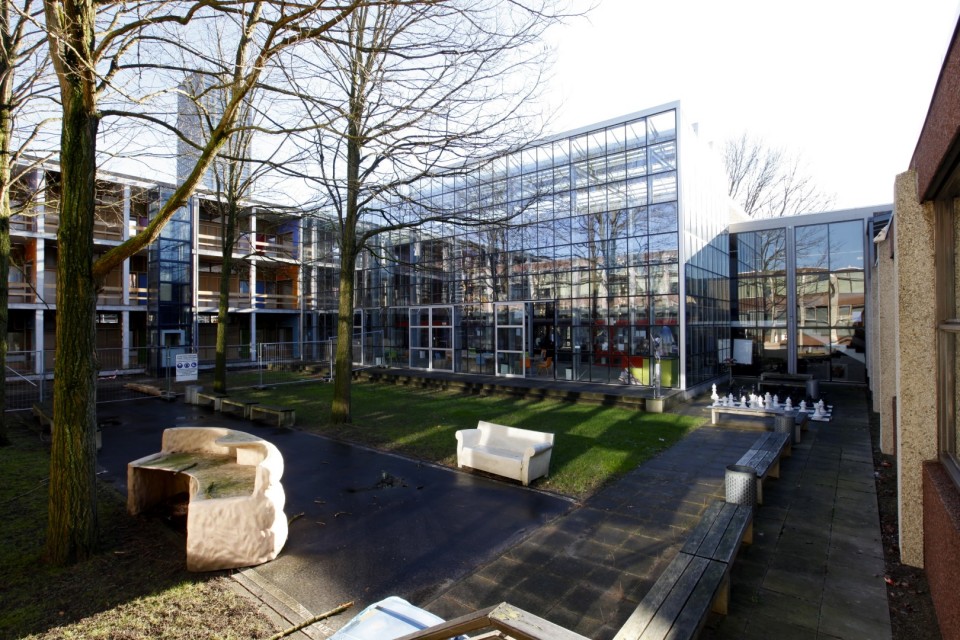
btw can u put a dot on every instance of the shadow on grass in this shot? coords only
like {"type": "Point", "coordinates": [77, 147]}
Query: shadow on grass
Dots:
{"type": "Point", "coordinates": [595, 444]}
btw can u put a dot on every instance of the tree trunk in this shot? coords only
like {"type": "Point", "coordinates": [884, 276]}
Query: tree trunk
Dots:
{"type": "Point", "coordinates": [228, 230]}
{"type": "Point", "coordinates": [343, 362]}
{"type": "Point", "coordinates": [72, 526]}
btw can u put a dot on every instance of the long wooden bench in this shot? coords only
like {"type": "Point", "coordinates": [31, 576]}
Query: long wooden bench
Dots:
{"type": "Point", "coordinates": [776, 379]}
{"type": "Point", "coordinates": [717, 410]}
{"type": "Point", "coordinates": [697, 581]}
{"type": "Point", "coordinates": [275, 416]}
{"type": "Point", "coordinates": [764, 457]}
{"type": "Point", "coordinates": [237, 406]}
{"type": "Point", "coordinates": [212, 399]}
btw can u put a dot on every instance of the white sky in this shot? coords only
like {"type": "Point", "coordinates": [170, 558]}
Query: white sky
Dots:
{"type": "Point", "coordinates": [844, 83]}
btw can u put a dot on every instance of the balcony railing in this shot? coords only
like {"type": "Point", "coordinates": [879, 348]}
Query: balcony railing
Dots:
{"type": "Point", "coordinates": [212, 299]}
{"type": "Point", "coordinates": [20, 292]}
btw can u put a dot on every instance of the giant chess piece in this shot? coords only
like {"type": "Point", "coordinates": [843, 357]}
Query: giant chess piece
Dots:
{"type": "Point", "coordinates": [776, 401]}
{"type": "Point", "coordinates": [767, 401]}
{"type": "Point", "coordinates": [789, 405]}
{"type": "Point", "coordinates": [715, 397]}
{"type": "Point", "coordinates": [743, 402]}
{"type": "Point", "coordinates": [817, 411]}
{"type": "Point", "coordinates": [803, 406]}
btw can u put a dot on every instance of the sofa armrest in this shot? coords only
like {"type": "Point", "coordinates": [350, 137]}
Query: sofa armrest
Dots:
{"type": "Point", "coordinates": [467, 437]}
{"type": "Point", "coordinates": [539, 447]}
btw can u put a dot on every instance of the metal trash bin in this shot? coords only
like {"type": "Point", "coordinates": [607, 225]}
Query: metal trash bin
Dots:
{"type": "Point", "coordinates": [740, 482]}
{"type": "Point", "coordinates": [787, 423]}
{"type": "Point", "coordinates": [813, 389]}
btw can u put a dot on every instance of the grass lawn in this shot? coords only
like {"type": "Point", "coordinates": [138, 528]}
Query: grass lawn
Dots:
{"type": "Point", "coordinates": [594, 444]}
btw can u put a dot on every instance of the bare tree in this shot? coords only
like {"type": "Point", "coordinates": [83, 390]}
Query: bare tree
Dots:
{"type": "Point", "coordinates": [25, 93]}
{"type": "Point", "coordinates": [409, 94]}
{"type": "Point", "coordinates": [96, 50]}
{"type": "Point", "coordinates": [768, 182]}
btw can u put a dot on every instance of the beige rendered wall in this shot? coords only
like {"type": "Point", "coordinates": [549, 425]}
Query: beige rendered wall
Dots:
{"type": "Point", "coordinates": [916, 386]}
{"type": "Point", "coordinates": [884, 372]}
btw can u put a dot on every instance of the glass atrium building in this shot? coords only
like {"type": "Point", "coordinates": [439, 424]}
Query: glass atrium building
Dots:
{"type": "Point", "coordinates": [615, 268]}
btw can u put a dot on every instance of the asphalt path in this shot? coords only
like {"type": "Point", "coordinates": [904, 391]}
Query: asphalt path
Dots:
{"type": "Point", "coordinates": [365, 524]}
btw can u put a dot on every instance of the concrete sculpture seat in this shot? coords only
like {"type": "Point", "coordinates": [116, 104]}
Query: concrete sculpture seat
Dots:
{"type": "Point", "coordinates": [520, 454]}
{"type": "Point", "coordinates": [232, 479]}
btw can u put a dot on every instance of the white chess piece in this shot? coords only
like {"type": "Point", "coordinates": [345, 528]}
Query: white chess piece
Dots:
{"type": "Point", "coordinates": [776, 401]}
{"type": "Point", "coordinates": [789, 405]}
{"type": "Point", "coordinates": [821, 406]}
{"type": "Point", "coordinates": [715, 397]}
{"type": "Point", "coordinates": [803, 406]}
{"type": "Point", "coordinates": [817, 411]}
{"type": "Point", "coordinates": [767, 400]}
{"type": "Point", "coordinates": [743, 402]}
{"type": "Point", "coordinates": [730, 400]}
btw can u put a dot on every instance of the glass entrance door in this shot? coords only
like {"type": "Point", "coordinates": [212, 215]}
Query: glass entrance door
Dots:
{"type": "Point", "coordinates": [431, 338]}
{"type": "Point", "coordinates": [511, 339]}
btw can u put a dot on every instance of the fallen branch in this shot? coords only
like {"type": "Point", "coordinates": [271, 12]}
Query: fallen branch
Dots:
{"type": "Point", "coordinates": [306, 623]}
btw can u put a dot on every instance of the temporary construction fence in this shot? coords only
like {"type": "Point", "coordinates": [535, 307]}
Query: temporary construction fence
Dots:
{"type": "Point", "coordinates": [29, 374]}
{"type": "Point", "coordinates": [285, 362]}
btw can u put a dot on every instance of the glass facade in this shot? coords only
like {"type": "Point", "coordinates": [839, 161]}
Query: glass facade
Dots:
{"type": "Point", "coordinates": [798, 297]}
{"type": "Point", "coordinates": [584, 283]}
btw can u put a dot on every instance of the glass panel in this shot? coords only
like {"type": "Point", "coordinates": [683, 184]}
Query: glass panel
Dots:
{"type": "Point", "coordinates": [441, 317]}
{"type": "Point", "coordinates": [510, 339]}
{"type": "Point", "coordinates": [419, 358]}
{"type": "Point", "coordinates": [811, 247]}
{"type": "Point", "coordinates": [663, 187]}
{"type": "Point", "coordinates": [813, 293]}
{"type": "Point", "coordinates": [813, 352]}
{"type": "Point", "coordinates": [664, 246]}
{"type": "Point", "coordinates": [662, 157]}
{"type": "Point", "coordinates": [663, 217]}
{"type": "Point", "coordinates": [442, 337]}
{"type": "Point", "coordinates": [846, 245]}
{"type": "Point", "coordinates": [662, 126]}
{"type": "Point", "coordinates": [847, 361]}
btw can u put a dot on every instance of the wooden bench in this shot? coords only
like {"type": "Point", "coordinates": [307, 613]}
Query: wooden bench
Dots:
{"type": "Point", "coordinates": [717, 410]}
{"type": "Point", "coordinates": [232, 483]}
{"type": "Point", "coordinates": [211, 399]}
{"type": "Point", "coordinates": [697, 581]}
{"type": "Point", "coordinates": [776, 379]}
{"type": "Point", "coordinates": [275, 416]}
{"type": "Point", "coordinates": [237, 407]}
{"type": "Point", "coordinates": [511, 452]}
{"type": "Point", "coordinates": [764, 457]}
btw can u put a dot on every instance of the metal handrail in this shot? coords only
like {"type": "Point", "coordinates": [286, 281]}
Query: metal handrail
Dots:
{"type": "Point", "coordinates": [20, 375]}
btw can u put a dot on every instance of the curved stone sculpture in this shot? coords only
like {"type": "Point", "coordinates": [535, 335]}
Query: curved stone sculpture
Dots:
{"type": "Point", "coordinates": [235, 513]}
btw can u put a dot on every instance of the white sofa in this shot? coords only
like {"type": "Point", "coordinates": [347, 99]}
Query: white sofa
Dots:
{"type": "Point", "coordinates": [520, 454]}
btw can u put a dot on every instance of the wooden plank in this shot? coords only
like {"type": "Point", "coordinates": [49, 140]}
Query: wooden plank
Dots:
{"type": "Point", "coordinates": [703, 527]}
{"type": "Point", "coordinates": [712, 541]}
{"type": "Point", "coordinates": [691, 618]}
{"type": "Point", "coordinates": [521, 625]}
{"type": "Point", "coordinates": [738, 529]}
{"type": "Point", "coordinates": [659, 592]}
{"type": "Point", "coordinates": [676, 600]}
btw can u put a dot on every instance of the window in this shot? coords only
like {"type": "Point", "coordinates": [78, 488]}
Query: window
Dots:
{"type": "Point", "coordinates": [948, 297]}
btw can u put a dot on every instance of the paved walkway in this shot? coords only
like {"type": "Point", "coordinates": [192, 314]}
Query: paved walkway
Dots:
{"type": "Point", "coordinates": [815, 569]}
